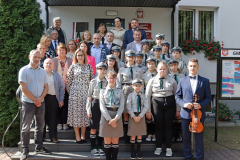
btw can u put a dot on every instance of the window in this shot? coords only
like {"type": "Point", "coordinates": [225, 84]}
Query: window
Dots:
{"type": "Point", "coordinates": [185, 26]}
{"type": "Point", "coordinates": [206, 28]}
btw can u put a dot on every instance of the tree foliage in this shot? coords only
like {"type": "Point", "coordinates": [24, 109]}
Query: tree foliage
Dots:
{"type": "Point", "coordinates": [20, 31]}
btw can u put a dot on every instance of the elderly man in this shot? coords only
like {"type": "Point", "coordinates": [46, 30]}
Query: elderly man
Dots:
{"type": "Point", "coordinates": [55, 42]}
{"type": "Point", "coordinates": [110, 38]}
{"type": "Point", "coordinates": [136, 44]}
{"type": "Point", "coordinates": [57, 26]}
{"type": "Point", "coordinates": [128, 36]}
{"type": "Point", "coordinates": [99, 51]}
{"type": "Point", "coordinates": [53, 100]}
{"type": "Point", "coordinates": [34, 85]}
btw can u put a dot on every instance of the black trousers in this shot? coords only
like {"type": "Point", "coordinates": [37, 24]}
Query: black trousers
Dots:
{"type": "Point", "coordinates": [63, 111]}
{"type": "Point", "coordinates": [51, 115]}
{"type": "Point", "coordinates": [163, 111]}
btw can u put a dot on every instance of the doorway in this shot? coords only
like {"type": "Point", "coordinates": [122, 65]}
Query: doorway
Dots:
{"type": "Point", "coordinates": [109, 23]}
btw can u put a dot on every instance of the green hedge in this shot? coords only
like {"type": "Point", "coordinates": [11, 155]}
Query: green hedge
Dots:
{"type": "Point", "coordinates": [20, 31]}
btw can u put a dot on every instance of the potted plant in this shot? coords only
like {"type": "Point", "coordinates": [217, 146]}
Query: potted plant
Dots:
{"type": "Point", "coordinates": [237, 113]}
{"type": "Point", "coordinates": [224, 113]}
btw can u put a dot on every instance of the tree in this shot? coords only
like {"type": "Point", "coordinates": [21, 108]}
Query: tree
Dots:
{"type": "Point", "coordinates": [20, 31]}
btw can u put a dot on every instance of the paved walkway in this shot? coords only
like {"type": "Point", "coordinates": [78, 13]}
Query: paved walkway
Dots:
{"type": "Point", "coordinates": [10, 150]}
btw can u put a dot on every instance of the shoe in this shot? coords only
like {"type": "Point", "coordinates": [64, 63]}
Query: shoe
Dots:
{"type": "Point", "coordinates": [133, 155]}
{"type": "Point", "coordinates": [42, 151]}
{"type": "Point", "coordinates": [139, 155]}
{"type": "Point", "coordinates": [79, 142]}
{"type": "Point", "coordinates": [24, 155]}
{"type": "Point", "coordinates": [95, 152]}
{"type": "Point", "coordinates": [179, 138]}
{"type": "Point", "coordinates": [169, 152]}
{"type": "Point", "coordinates": [101, 152]}
{"type": "Point", "coordinates": [153, 138]}
{"type": "Point", "coordinates": [149, 137]}
{"type": "Point", "coordinates": [158, 151]}
{"type": "Point", "coordinates": [59, 127]}
{"type": "Point", "coordinates": [54, 140]}
{"type": "Point", "coordinates": [84, 141]}
{"type": "Point", "coordinates": [65, 127]}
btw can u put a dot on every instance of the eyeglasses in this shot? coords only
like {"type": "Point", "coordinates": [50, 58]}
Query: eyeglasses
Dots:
{"type": "Point", "coordinates": [54, 34]}
{"type": "Point", "coordinates": [80, 55]}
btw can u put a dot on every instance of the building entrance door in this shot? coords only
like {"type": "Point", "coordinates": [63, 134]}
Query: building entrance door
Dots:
{"type": "Point", "coordinates": [109, 23]}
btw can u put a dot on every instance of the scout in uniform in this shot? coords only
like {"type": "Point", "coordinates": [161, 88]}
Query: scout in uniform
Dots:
{"type": "Point", "coordinates": [165, 50]}
{"type": "Point", "coordinates": [150, 73]}
{"type": "Point", "coordinates": [124, 80]}
{"type": "Point", "coordinates": [137, 108]}
{"type": "Point", "coordinates": [157, 50]}
{"type": "Point", "coordinates": [175, 74]}
{"type": "Point", "coordinates": [93, 107]}
{"type": "Point", "coordinates": [139, 60]}
{"type": "Point", "coordinates": [145, 50]}
{"type": "Point", "coordinates": [111, 106]}
{"type": "Point", "coordinates": [111, 64]}
{"type": "Point", "coordinates": [116, 52]}
{"type": "Point", "coordinates": [160, 91]}
{"type": "Point", "coordinates": [159, 38]}
{"type": "Point", "coordinates": [176, 53]}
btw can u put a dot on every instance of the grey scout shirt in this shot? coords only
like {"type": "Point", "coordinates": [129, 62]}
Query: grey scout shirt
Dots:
{"type": "Point", "coordinates": [123, 75]}
{"type": "Point", "coordinates": [147, 76]}
{"type": "Point", "coordinates": [105, 102]}
{"type": "Point", "coordinates": [183, 67]}
{"type": "Point", "coordinates": [142, 67]}
{"type": "Point", "coordinates": [35, 79]}
{"type": "Point", "coordinates": [120, 64]}
{"type": "Point", "coordinates": [132, 104]}
{"type": "Point", "coordinates": [94, 90]}
{"type": "Point", "coordinates": [153, 87]}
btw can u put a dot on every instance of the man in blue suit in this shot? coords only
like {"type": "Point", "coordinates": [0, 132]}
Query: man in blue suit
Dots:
{"type": "Point", "coordinates": [55, 42]}
{"type": "Point", "coordinates": [187, 88]}
{"type": "Point", "coordinates": [128, 36]}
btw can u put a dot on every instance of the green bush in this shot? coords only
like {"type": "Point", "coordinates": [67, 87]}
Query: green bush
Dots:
{"type": "Point", "coordinates": [224, 111]}
{"type": "Point", "coordinates": [20, 31]}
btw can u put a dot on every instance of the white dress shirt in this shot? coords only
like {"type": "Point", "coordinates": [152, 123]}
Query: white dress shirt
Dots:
{"type": "Point", "coordinates": [193, 83]}
{"type": "Point", "coordinates": [109, 45]}
{"type": "Point", "coordinates": [138, 46]}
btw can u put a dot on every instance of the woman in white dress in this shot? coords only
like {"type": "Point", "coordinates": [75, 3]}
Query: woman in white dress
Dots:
{"type": "Point", "coordinates": [118, 36]}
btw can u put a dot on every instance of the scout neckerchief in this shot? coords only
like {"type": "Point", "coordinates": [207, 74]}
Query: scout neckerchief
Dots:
{"type": "Point", "coordinates": [161, 83]}
{"type": "Point", "coordinates": [112, 98]}
{"type": "Point", "coordinates": [138, 103]}
{"type": "Point", "coordinates": [175, 77]}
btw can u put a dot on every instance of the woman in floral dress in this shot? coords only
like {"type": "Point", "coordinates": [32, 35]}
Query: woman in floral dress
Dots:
{"type": "Point", "coordinates": [78, 78]}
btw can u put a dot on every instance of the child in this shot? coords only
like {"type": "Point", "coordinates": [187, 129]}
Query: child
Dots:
{"type": "Point", "coordinates": [176, 53]}
{"type": "Point", "coordinates": [151, 72]}
{"type": "Point", "coordinates": [145, 50]}
{"type": "Point", "coordinates": [165, 50]}
{"type": "Point", "coordinates": [159, 38]}
{"type": "Point", "coordinates": [139, 59]}
{"type": "Point", "coordinates": [116, 52]}
{"type": "Point", "coordinates": [177, 75]}
{"type": "Point", "coordinates": [93, 107]}
{"type": "Point", "coordinates": [111, 63]}
{"type": "Point", "coordinates": [137, 108]}
{"type": "Point", "coordinates": [157, 50]}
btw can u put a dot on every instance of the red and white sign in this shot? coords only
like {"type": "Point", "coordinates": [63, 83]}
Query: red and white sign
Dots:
{"type": "Point", "coordinates": [143, 26]}
{"type": "Point", "coordinates": [230, 53]}
{"type": "Point", "coordinates": [140, 14]}
{"type": "Point", "coordinates": [149, 35]}
{"type": "Point", "coordinates": [225, 52]}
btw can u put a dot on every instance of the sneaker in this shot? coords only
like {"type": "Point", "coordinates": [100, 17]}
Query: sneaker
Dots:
{"type": "Point", "coordinates": [158, 151]}
{"type": "Point", "coordinates": [179, 138]}
{"type": "Point", "coordinates": [59, 127]}
{"type": "Point", "coordinates": [153, 138]}
{"type": "Point", "coordinates": [95, 152]}
{"type": "Point", "coordinates": [133, 155]}
{"type": "Point", "coordinates": [42, 151]}
{"type": "Point", "coordinates": [139, 155]}
{"type": "Point", "coordinates": [24, 155]}
{"type": "Point", "coordinates": [169, 152]}
{"type": "Point", "coordinates": [65, 127]}
{"type": "Point", "coordinates": [149, 137]}
{"type": "Point", "coordinates": [101, 152]}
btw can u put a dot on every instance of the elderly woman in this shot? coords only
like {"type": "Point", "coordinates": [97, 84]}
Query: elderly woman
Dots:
{"type": "Point", "coordinates": [47, 40]}
{"type": "Point", "coordinates": [61, 65]}
{"type": "Point", "coordinates": [118, 35]}
{"type": "Point", "coordinates": [57, 26]}
{"type": "Point", "coordinates": [71, 48]}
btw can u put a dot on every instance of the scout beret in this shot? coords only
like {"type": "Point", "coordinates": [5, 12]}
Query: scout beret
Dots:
{"type": "Point", "coordinates": [145, 41]}
{"type": "Point", "coordinates": [159, 36]}
{"type": "Point", "coordinates": [130, 53]}
{"type": "Point", "coordinates": [172, 61]}
{"type": "Point", "coordinates": [116, 49]}
{"type": "Point", "coordinates": [137, 81]}
{"type": "Point", "coordinates": [165, 42]}
{"type": "Point", "coordinates": [157, 48]}
{"type": "Point", "coordinates": [101, 65]}
{"type": "Point", "coordinates": [151, 59]}
{"type": "Point", "coordinates": [139, 54]}
{"type": "Point", "coordinates": [177, 49]}
{"type": "Point", "coordinates": [111, 57]}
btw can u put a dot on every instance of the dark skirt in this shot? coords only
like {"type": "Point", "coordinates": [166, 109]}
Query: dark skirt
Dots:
{"type": "Point", "coordinates": [96, 114]}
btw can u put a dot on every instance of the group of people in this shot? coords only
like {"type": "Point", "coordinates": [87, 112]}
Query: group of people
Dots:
{"type": "Point", "coordinates": [92, 84]}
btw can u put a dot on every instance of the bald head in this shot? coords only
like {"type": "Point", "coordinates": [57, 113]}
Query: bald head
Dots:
{"type": "Point", "coordinates": [48, 65]}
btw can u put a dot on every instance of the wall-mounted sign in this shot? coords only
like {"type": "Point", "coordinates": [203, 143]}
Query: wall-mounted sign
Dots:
{"type": "Point", "coordinates": [143, 26]}
{"type": "Point", "coordinates": [230, 53]}
{"type": "Point", "coordinates": [149, 35]}
{"type": "Point", "coordinates": [140, 14]}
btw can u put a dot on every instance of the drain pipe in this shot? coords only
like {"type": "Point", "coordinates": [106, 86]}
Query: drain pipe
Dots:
{"type": "Point", "coordinates": [172, 25]}
{"type": "Point", "coordinates": [47, 14]}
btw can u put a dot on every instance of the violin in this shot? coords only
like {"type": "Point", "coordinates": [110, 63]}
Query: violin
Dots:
{"type": "Point", "coordinates": [196, 125]}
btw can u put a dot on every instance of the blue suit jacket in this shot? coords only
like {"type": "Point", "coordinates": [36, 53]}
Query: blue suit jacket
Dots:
{"type": "Point", "coordinates": [128, 37]}
{"type": "Point", "coordinates": [184, 95]}
{"type": "Point", "coordinates": [52, 48]}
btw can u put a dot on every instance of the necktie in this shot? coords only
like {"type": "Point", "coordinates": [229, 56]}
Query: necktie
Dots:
{"type": "Point", "coordinates": [175, 77]}
{"type": "Point", "coordinates": [138, 103]}
{"type": "Point", "coordinates": [152, 75]}
{"type": "Point", "coordinates": [145, 56]}
{"type": "Point", "coordinates": [55, 44]}
{"type": "Point", "coordinates": [193, 77]}
{"type": "Point", "coordinates": [163, 56]}
{"type": "Point", "coordinates": [112, 97]}
{"type": "Point", "coordinates": [100, 85]}
{"type": "Point", "coordinates": [161, 83]}
{"type": "Point", "coordinates": [130, 73]}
